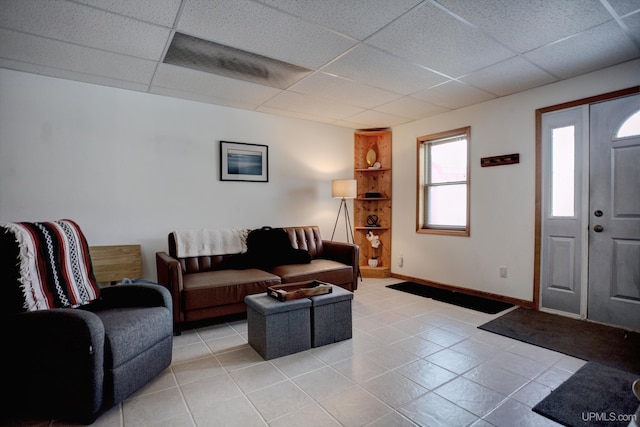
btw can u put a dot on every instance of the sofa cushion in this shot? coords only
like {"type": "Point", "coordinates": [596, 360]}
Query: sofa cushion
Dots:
{"type": "Point", "coordinates": [319, 269]}
{"type": "Point", "coordinates": [213, 288]}
{"type": "Point", "coordinates": [131, 331]}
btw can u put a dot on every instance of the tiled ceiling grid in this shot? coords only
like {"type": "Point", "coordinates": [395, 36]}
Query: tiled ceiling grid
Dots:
{"type": "Point", "coordinates": [374, 63]}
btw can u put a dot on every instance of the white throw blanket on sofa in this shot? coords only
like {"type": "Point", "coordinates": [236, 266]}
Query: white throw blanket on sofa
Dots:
{"type": "Point", "coordinates": [208, 242]}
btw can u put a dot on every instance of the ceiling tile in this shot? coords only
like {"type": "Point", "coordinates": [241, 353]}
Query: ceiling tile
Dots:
{"type": "Point", "coordinates": [411, 107]}
{"type": "Point", "coordinates": [312, 105]}
{"type": "Point", "coordinates": [64, 56]}
{"type": "Point", "coordinates": [428, 36]}
{"type": "Point", "coordinates": [161, 12]}
{"type": "Point", "coordinates": [339, 89]}
{"type": "Point", "coordinates": [633, 24]}
{"type": "Point", "coordinates": [623, 7]}
{"type": "Point", "coordinates": [257, 28]}
{"type": "Point", "coordinates": [371, 66]}
{"type": "Point", "coordinates": [373, 62]}
{"type": "Point", "coordinates": [72, 75]}
{"type": "Point", "coordinates": [294, 114]}
{"type": "Point", "coordinates": [513, 75]}
{"type": "Point", "coordinates": [524, 25]}
{"type": "Point", "coordinates": [453, 95]}
{"type": "Point", "coordinates": [358, 19]}
{"type": "Point", "coordinates": [211, 85]}
{"type": "Point", "coordinates": [202, 97]}
{"type": "Point", "coordinates": [372, 118]}
{"type": "Point", "coordinates": [85, 26]}
{"type": "Point", "coordinates": [607, 44]}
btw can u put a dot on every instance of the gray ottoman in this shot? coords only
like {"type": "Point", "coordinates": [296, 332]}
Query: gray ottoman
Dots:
{"type": "Point", "coordinates": [278, 328]}
{"type": "Point", "coordinates": [331, 317]}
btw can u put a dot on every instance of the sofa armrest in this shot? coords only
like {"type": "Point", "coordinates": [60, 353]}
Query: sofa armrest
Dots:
{"type": "Point", "coordinates": [56, 362]}
{"type": "Point", "coordinates": [170, 276]}
{"type": "Point", "coordinates": [136, 295]}
{"type": "Point", "coordinates": [346, 253]}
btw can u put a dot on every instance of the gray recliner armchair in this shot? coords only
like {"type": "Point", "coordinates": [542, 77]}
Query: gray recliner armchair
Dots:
{"type": "Point", "coordinates": [70, 349]}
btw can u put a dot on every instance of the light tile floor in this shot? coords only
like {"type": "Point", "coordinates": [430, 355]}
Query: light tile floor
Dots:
{"type": "Point", "coordinates": [412, 361]}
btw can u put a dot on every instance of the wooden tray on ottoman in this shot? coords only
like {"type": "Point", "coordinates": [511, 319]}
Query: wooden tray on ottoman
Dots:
{"type": "Point", "coordinates": [299, 290]}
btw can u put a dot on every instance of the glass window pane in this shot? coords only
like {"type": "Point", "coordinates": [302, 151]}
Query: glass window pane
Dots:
{"type": "Point", "coordinates": [449, 161]}
{"type": "Point", "coordinates": [563, 171]}
{"type": "Point", "coordinates": [447, 205]}
{"type": "Point", "coordinates": [631, 126]}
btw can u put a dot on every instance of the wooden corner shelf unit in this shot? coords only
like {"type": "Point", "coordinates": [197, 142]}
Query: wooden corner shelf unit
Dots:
{"type": "Point", "coordinates": [373, 175]}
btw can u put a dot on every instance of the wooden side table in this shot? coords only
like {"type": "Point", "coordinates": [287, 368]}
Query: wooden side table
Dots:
{"type": "Point", "coordinates": [113, 263]}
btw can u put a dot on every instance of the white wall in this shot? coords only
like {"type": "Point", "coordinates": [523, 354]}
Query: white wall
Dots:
{"type": "Point", "coordinates": [131, 167]}
{"type": "Point", "coordinates": [502, 198]}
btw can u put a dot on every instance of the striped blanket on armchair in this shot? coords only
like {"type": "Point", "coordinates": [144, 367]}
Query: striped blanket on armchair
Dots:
{"type": "Point", "coordinates": [55, 266]}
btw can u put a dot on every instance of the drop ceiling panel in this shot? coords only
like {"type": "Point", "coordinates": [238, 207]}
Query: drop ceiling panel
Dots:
{"type": "Point", "coordinates": [201, 97]}
{"type": "Point", "coordinates": [343, 90]}
{"type": "Point", "coordinates": [161, 12]}
{"type": "Point", "coordinates": [379, 69]}
{"type": "Point", "coordinates": [297, 115]}
{"type": "Point", "coordinates": [72, 75]}
{"type": "Point", "coordinates": [85, 26]}
{"type": "Point", "coordinates": [633, 25]}
{"type": "Point", "coordinates": [372, 62]}
{"type": "Point", "coordinates": [411, 107]}
{"type": "Point", "coordinates": [513, 75]}
{"type": "Point", "coordinates": [607, 44]}
{"type": "Point", "coordinates": [358, 19]}
{"type": "Point", "coordinates": [371, 118]}
{"type": "Point", "coordinates": [527, 24]}
{"type": "Point", "coordinates": [428, 36]}
{"type": "Point", "coordinates": [64, 56]}
{"type": "Point", "coordinates": [623, 7]}
{"type": "Point", "coordinates": [453, 95]}
{"type": "Point", "coordinates": [211, 85]}
{"type": "Point", "coordinates": [260, 29]}
{"type": "Point", "coordinates": [312, 105]}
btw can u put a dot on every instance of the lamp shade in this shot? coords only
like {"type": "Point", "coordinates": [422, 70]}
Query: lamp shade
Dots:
{"type": "Point", "coordinates": [344, 188]}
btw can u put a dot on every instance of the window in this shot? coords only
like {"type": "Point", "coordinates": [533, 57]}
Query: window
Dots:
{"type": "Point", "coordinates": [630, 127]}
{"type": "Point", "coordinates": [443, 183]}
{"type": "Point", "coordinates": [563, 171]}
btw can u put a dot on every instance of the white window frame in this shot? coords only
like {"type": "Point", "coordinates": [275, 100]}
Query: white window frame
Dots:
{"type": "Point", "coordinates": [423, 145]}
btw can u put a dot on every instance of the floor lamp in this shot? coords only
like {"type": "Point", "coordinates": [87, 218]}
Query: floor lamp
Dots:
{"type": "Point", "coordinates": [344, 189]}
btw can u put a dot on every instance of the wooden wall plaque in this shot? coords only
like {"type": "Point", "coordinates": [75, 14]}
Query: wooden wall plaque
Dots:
{"type": "Point", "coordinates": [505, 159]}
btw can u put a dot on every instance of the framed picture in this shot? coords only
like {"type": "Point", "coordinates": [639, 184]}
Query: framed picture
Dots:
{"type": "Point", "coordinates": [244, 162]}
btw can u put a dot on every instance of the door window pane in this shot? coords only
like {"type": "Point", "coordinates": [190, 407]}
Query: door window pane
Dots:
{"type": "Point", "coordinates": [563, 172]}
{"type": "Point", "coordinates": [630, 127]}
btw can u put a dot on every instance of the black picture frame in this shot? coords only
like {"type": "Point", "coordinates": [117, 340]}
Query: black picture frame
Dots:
{"type": "Point", "coordinates": [240, 161]}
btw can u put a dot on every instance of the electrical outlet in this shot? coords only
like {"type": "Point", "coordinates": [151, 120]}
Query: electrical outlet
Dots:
{"type": "Point", "coordinates": [400, 261]}
{"type": "Point", "coordinates": [503, 272]}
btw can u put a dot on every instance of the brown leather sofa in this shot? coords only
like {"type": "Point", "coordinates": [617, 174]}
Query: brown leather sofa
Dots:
{"type": "Point", "coordinates": [206, 287]}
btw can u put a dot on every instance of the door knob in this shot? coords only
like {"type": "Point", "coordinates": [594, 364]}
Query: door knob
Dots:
{"type": "Point", "coordinates": [598, 213]}
{"type": "Point", "coordinates": [598, 228]}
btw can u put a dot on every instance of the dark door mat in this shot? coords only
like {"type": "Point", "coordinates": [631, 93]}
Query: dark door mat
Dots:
{"type": "Point", "coordinates": [596, 395]}
{"type": "Point", "coordinates": [462, 300]}
{"type": "Point", "coordinates": [583, 339]}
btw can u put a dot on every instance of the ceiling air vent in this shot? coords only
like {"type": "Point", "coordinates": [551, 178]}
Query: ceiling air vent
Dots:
{"type": "Point", "coordinates": [203, 55]}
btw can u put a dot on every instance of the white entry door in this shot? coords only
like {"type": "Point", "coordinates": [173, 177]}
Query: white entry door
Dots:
{"type": "Point", "coordinates": [614, 212]}
{"type": "Point", "coordinates": [563, 251]}
{"type": "Point", "coordinates": [590, 243]}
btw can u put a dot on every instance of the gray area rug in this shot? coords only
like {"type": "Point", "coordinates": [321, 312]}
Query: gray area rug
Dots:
{"type": "Point", "coordinates": [596, 395]}
{"type": "Point", "coordinates": [585, 340]}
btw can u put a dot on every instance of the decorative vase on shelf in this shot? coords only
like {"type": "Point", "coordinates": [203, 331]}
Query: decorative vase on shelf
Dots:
{"type": "Point", "coordinates": [373, 262]}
